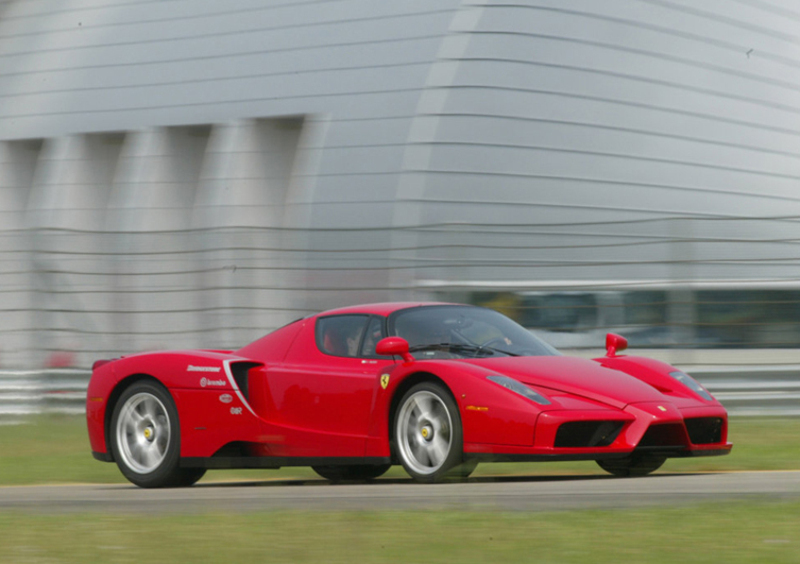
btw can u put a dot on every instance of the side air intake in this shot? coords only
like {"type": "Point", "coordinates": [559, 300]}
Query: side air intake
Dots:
{"type": "Point", "coordinates": [239, 371]}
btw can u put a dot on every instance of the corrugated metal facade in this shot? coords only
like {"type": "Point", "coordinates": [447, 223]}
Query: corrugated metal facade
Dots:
{"type": "Point", "coordinates": [192, 173]}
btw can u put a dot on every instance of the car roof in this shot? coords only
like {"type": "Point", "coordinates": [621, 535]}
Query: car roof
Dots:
{"type": "Point", "coordinates": [384, 308]}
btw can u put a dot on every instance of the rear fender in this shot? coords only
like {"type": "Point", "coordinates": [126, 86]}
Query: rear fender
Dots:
{"type": "Point", "coordinates": [212, 372]}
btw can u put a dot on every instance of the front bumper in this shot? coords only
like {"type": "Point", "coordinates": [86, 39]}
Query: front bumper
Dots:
{"type": "Point", "coordinates": [654, 428]}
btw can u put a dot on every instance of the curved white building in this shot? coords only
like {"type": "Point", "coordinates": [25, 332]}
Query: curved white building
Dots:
{"type": "Point", "coordinates": [182, 173]}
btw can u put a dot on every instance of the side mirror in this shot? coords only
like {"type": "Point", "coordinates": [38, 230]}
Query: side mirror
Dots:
{"type": "Point", "coordinates": [614, 344]}
{"type": "Point", "coordinates": [394, 346]}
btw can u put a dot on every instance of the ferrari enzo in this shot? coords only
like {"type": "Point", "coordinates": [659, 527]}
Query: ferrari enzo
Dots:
{"type": "Point", "coordinates": [435, 387]}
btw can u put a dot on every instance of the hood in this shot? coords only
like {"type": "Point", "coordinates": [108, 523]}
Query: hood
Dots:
{"type": "Point", "coordinates": [576, 376]}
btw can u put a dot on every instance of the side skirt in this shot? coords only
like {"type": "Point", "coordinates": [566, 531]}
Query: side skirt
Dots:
{"type": "Point", "coordinates": [278, 461]}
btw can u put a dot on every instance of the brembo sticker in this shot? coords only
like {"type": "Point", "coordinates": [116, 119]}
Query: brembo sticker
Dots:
{"type": "Point", "coordinates": [226, 398]}
{"type": "Point", "coordinates": [206, 382]}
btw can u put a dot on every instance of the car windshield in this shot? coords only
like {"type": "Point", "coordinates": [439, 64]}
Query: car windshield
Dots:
{"type": "Point", "coordinates": [464, 332]}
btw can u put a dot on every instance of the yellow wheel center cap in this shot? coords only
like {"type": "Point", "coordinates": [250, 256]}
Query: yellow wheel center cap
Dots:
{"type": "Point", "coordinates": [424, 433]}
{"type": "Point", "coordinates": [148, 433]}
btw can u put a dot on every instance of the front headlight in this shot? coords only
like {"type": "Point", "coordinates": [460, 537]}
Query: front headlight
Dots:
{"type": "Point", "coordinates": [692, 384]}
{"type": "Point", "coordinates": [519, 388]}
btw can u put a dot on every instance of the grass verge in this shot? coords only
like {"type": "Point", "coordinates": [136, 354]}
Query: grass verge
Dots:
{"type": "Point", "coordinates": [724, 532]}
{"type": "Point", "coordinates": [55, 449]}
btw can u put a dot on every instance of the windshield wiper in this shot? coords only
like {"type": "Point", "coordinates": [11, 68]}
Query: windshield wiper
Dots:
{"type": "Point", "coordinates": [434, 347]}
{"type": "Point", "coordinates": [495, 350]}
{"type": "Point", "coordinates": [458, 348]}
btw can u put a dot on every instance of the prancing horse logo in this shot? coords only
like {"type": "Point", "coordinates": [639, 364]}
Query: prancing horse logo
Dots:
{"type": "Point", "coordinates": [384, 380]}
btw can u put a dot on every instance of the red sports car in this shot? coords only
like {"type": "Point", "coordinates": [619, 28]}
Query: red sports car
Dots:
{"type": "Point", "coordinates": [434, 387]}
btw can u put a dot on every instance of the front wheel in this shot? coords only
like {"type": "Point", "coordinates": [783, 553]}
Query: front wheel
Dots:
{"type": "Point", "coordinates": [463, 471]}
{"type": "Point", "coordinates": [427, 434]}
{"type": "Point", "coordinates": [145, 438]}
{"type": "Point", "coordinates": [632, 465]}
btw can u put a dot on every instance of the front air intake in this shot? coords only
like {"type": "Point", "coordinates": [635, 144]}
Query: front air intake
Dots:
{"type": "Point", "coordinates": [582, 434]}
{"type": "Point", "coordinates": [670, 434]}
{"type": "Point", "coordinates": [704, 430]}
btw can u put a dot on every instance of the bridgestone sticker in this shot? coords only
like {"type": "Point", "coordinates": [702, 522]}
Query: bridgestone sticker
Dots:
{"type": "Point", "coordinates": [192, 368]}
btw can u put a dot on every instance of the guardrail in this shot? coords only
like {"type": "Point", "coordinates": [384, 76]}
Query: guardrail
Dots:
{"type": "Point", "coordinates": [753, 390]}
{"type": "Point", "coordinates": [748, 391]}
{"type": "Point", "coordinates": [28, 392]}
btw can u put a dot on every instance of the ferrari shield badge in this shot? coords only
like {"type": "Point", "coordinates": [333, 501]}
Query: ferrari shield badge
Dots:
{"type": "Point", "coordinates": [384, 380]}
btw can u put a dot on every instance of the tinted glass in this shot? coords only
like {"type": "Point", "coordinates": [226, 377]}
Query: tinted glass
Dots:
{"type": "Point", "coordinates": [464, 331]}
{"type": "Point", "coordinates": [371, 338]}
{"type": "Point", "coordinates": [341, 335]}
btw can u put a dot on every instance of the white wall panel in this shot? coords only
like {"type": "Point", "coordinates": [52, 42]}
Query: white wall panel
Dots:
{"type": "Point", "coordinates": [516, 140]}
{"type": "Point", "coordinates": [17, 170]}
{"type": "Point", "coordinates": [580, 111]}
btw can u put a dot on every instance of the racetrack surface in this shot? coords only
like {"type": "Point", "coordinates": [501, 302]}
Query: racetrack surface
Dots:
{"type": "Point", "coordinates": [517, 493]}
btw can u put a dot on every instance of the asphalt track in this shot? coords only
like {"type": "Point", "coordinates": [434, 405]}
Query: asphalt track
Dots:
{"type": "Point", "coordinates": [517, 493]}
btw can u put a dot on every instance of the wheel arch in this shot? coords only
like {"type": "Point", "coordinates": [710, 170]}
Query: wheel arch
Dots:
{"type": "Point", "coordinates": [113, 399]}
{"type": "Point", "coordinates": [408, 383]}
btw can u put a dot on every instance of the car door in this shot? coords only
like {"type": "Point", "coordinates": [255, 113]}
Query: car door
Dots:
{"type": "Point", "coordinates": [323, 393]}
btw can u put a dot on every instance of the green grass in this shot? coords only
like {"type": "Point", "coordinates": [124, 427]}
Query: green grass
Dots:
{"type": "Point", "coordinates": [724, 532]}
{"type": "Point", "coordinates": [55, 449]}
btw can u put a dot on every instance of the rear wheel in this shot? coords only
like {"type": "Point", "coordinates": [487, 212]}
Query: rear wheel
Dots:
{"type": "Point", "coordinates": [357, 472]}
{"type": "Point", "coordinates": [145, 438]}
{"type": "Point", "coordinates": [427, 435]}
{"type": "Point", "coordinates": [632, 465]}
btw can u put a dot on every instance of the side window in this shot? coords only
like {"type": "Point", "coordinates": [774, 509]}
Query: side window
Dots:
{"type": "Point", "coordinates": [374, 334]}
{"type": "Point", "coordinates": [340, 335]}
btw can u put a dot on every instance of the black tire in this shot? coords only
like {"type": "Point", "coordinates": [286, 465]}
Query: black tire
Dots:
{"type": "Point", "coordinates": [356, 472]}
{"type": "Point", "coordinates": [632, 466]}
{"type": "Point", "coordinates": [427, 437]}
{"type": "Point", "coordinates": [463, 470]}
{"type": "Point", "coordinates": [189, 477]}
{"type": "Point", "coordinates": [145, 438]}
